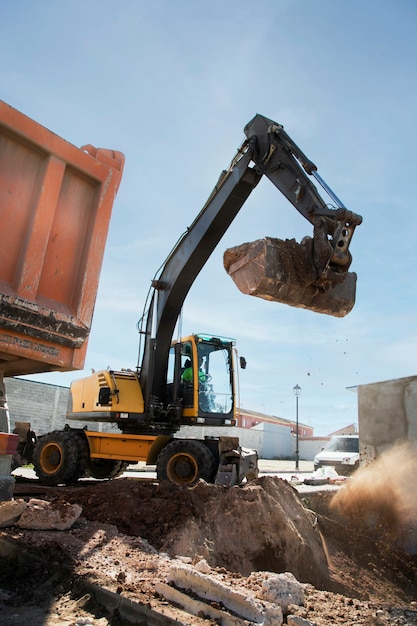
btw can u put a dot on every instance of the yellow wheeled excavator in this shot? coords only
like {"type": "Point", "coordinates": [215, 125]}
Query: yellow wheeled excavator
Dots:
{"type": "Point", "coordinates": [192, 381]}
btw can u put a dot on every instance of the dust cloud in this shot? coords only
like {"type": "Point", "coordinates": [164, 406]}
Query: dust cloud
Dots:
{"type": "Point", "coordinates": [381, 497]}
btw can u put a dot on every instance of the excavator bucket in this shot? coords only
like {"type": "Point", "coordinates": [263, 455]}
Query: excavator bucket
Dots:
{"type": "Point", "coordinates": [283, 271]}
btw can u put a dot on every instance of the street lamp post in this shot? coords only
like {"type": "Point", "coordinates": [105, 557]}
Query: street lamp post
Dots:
{"type": "Point", "coordinates": [297, 391]}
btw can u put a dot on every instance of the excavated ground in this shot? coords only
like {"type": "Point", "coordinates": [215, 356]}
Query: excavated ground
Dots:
{"type": "Point", "coordinates": [129, 531]}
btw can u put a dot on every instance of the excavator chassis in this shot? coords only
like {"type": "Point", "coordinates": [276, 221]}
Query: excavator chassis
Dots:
{"type": "Point", "coordinates": [63, 457]}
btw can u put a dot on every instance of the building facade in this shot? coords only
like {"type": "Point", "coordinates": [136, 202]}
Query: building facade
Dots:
{"type": "Point", "coordinates": [249, 419]}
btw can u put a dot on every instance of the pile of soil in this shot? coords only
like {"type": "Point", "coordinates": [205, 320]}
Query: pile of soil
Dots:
{"type": "Point", "coordinates": [130, 530]}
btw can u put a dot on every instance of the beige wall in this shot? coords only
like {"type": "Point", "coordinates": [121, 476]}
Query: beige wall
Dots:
{"type": "Point", "coordinates": [387, 412]}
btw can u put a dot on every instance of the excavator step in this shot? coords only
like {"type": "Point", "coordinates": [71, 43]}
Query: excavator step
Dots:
{"type": "Point", "coordinates": [283, 271]}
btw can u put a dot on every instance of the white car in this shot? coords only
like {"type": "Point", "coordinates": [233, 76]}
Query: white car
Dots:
{"type": "Point", "coordinates": [341, 452]}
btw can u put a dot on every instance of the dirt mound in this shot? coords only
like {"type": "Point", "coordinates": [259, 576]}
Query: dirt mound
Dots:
{"type": "Point", "coordinates": [131, 531]}
{"type": "Point", "coordinates": [261, 527]}
{"type": "Point", "coordinates": [264, 525]}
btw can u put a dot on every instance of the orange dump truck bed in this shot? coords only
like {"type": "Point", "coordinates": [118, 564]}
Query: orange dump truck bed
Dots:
{"type": "Point", "coordinates": [55, 207]}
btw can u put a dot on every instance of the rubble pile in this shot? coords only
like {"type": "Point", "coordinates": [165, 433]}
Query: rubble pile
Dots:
{"type": "Point", "coordinates": [256, 554]}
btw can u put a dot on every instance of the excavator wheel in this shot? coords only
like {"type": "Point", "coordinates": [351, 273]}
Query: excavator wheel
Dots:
{"type": "Point", "coordinates": [184, 462]}
{"type": "Point", "coordinates": [106, 468]}
{"type": "Point", "coordinates": [60, 457]}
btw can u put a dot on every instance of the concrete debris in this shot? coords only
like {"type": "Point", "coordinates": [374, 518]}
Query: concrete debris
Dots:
{"type": "Point", "coordinates": [43, 515]}
{"type": "Point", "coordinates": [295, 620]}
{"type": "Point", "coordinates": [10, 512]}
{"type": "Point", "coordinates": [202, 566]}
{"type": "Point", "coordinates": [200, 608]}
{"type": "Point", "coordinates": [238, 602]}
{"type": "Point", "coordinates": [282, 589]}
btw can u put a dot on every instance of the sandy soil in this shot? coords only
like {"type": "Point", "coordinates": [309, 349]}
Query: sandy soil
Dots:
{"type": "Point", "coordinates": [129, 533]}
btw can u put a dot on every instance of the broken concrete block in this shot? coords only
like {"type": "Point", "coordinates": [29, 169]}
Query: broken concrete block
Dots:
{"type": "Point", "coordinates": [283, 271]}
{"type": "Point", "coordinates": [235, 600]}
{"type": "Point", "coordinates": [10, 512]}
{"type": "Point", "coordinates": [282, 589]}
{"type": "Point", "coordinates": [43, 515]}
{"type": "Point", "coordinates": [196, 607]}
{"type": "Point", "coordinates": [202, 566]}
{"type": "Point", "coordinates": [295, 620]}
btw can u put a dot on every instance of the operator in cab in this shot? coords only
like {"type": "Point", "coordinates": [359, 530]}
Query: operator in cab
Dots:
{"type": "Point", "coordinates": [187, 375]}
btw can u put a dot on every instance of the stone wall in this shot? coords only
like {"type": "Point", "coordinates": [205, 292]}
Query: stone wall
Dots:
{"type": "Point", "coordinates": [41, 404]}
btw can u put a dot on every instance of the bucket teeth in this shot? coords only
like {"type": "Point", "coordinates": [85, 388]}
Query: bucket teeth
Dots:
{"type": "Point", "coordinates": [284, 271]}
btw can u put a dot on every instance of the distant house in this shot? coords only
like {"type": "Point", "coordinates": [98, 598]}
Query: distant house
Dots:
{"type": "Point", "coordinates": [346, 430]}
{"type": "Point", "coordinates": [249, 419]}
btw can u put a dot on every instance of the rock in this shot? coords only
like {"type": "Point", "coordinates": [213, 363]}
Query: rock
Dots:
{"type": "Point", "coordinates": [202, 566]}
{"type": "Point", "coordinates": [295, 620]}
{"type": "Point", "coordinates": [43, 515]}
{"type": "Point", "coordinates": [283, 589]}
{"type": "Point", "coordinates": [10, 512]}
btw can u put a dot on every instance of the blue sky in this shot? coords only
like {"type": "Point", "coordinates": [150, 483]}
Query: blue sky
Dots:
{"type": "Point", "coordinates": [172, 84]}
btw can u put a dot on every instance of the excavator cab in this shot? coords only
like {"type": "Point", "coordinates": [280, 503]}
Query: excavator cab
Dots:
{"type": "Point", "coordinates": [206, 380]}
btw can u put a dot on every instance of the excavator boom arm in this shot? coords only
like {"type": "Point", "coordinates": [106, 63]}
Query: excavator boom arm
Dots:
{"type": "Point", "coordinates": [183, 266]}
{"type": "Point", "coordinates": [275, 156]}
